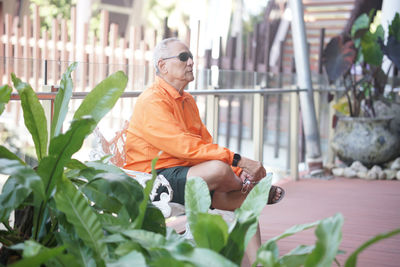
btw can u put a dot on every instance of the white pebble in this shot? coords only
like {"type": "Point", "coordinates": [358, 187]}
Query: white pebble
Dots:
{"type": "Point", "coordinates": [390, 174]}
{"type": "Point", "coordinates": [349, 172]}
{"type": "Point", "coordinates": [338, 171]}
{"type": "Point", "coordinates": [358, 167]}
{"type": "Point", "coordinates": [395, 165]}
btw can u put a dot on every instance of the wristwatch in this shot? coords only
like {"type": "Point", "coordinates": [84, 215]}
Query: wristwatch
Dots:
{"type": "Point", "coordinates": [236, 159]}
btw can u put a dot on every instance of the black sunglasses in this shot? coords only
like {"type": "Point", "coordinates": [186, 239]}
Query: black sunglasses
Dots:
{"type": "Point", "coordinates": [184, 56]}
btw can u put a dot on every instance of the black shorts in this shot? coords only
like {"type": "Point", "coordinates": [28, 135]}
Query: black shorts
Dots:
{"type": "Point", "coordinates": [176, 177]}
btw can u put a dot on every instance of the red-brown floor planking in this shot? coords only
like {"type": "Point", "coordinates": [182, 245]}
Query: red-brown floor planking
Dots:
{"type": "Point", "coordinates": [369, 208]}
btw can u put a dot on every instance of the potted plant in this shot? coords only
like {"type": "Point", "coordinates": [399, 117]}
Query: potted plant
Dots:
{"type": "Point", "coordinates": [356, 61]}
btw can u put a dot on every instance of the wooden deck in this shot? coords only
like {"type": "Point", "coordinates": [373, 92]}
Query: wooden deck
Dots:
{"type": "Point", "coordinates": [368, 207]}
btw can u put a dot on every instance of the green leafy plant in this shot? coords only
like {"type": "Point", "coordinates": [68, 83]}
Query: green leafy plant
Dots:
{"type": "Point", "coordinates": [46, 199]}
{"type": "Point", "coordinates": [357, 60]}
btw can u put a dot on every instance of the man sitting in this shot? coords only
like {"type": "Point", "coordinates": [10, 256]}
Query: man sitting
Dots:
{"type": "Point", "coordinates": [166, 118]}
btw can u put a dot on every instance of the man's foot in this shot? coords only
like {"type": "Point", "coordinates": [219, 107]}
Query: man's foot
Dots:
{"type": "Point", "coordinates": [276, 194]}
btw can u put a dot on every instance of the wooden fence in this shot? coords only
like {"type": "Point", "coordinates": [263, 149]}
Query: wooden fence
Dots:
{"type": "Point", "coordinates": [40, 57]}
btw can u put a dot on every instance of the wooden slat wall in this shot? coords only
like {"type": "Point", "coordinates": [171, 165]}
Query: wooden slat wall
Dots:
{"type": "Point", "coordinates": [318, 14]}
{"type": "Point", "coordinates": [23, 51]}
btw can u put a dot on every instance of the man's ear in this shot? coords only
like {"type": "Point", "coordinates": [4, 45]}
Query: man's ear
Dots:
{"type": "Point", "coordinates": [162, 66]}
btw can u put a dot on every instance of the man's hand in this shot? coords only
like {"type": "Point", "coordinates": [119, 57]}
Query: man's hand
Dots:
{"type": "Point", "coordinates": [253, 168]}
{"type": "Point", "coordinates": [246, 180]}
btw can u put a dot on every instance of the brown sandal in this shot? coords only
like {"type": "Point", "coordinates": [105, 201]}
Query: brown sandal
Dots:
{"type": "Point", "coordinates": [272, 193]}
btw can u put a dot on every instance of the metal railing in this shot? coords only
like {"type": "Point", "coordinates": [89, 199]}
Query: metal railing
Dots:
{"type": "Point", "coordinates": [257, 109]}
{"type": "Point", "coordinates": [212, 111]}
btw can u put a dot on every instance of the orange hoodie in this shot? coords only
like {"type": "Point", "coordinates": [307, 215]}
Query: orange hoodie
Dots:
{"type": "Point", "coordinates": [164, 120]}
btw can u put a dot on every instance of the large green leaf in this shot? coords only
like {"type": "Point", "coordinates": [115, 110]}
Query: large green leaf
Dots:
{"type": "Point", "coordinates": [146, 239]}
{"type": "Point", "coordinates": [111, 188]}
{"type": "Point", "coordinates": [258, 197]}
{"type": "Point", "coordinates": [360, 26]}
{"type": "Point", "coordinates": [101, 166]}
{"type": "Point", "coordinates": [103, 97]}
{"type": "Point", "coordinates": [168, 260]}
{"type": "Point", "coordinates": [210, 231]}
{"type": "Point", "coordinates": [293, 230]}
{"type": "Point", "coordinates": [154, 220]}
{"type": "Point", "coordinates": [268, 254]}
{"type": "Point", "coordinates": [115, 224]}
{"type": "Point", "coordinates": [5, 94]}
{"type": "Point", "coordinates": [370, 47]}
{"type": "Point", "coordinates": [151, 241]}
{"type": "Point", "coordinates": [245, 226]}
{"type": "Point", "coordinates": [75, 165]}
{"type": "Point", "coordinates": [13, 195]}
{"type": "Point", "coordinates": [394, 27]}
{"type": "Point", "coordinates": [34, 117]}
{"type": "Point", "coordinates": [138, 222]}
{"type": "Point", "coordinates": [61, 150]}
{"type": "Point", "coordinates": [22, 181]}
{"type": "Point", "coordinates": [197, 196]}
{"type": "Point", "coordinates": [125, 247]}
{"type": "Point", "coordinates": [329, 236]}
{"type": "Point", "coordinates": [297, 256]}
{"type": "Point", "coordinates": [162, 249]}
{"type": "Point", "coordinates": [352, 259]}
{"type": "Point", "coordinates": [266, 258]}
{"type": "Point", "coordinates": [134, 258]}
{"type": "Point", "coordinates": [203, 258]}
{"type": "Point", "coordinates": [235, 246]}
{"type": "Point", "coordinates": [79, 213]}
{"type": "Point", "coordinates": [62, 100]}
{"type": "Point", "coordinates": [82, 253]}
{"type": "Point", "coordinates": [101, 200]}
{"type": "Point", "coordinates": [23, 174]}
{"type": "Point", "coordinates": [121, 187]}
{"type": "Point", "coordinates": [7, 154]}
{"type": "Point", "coordinates": [115, 238]}
{"type": "Point", "coordinates": [39, 255]}
{"type": "Point", "coordinates": [35, 254]}
{"type": "Point", "coordinates": [66, 260]}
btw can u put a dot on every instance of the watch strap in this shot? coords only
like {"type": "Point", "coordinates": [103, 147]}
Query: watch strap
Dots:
{"type": "Point", "coordinates": [236, 159]}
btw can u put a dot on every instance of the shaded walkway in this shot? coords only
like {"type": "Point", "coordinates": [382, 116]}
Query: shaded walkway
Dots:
{"type": "Point", "coordinates": [368, 207]}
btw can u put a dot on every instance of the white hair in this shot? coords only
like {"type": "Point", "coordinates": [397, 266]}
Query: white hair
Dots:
{"type": "Point", "coordinates": [162, 51]}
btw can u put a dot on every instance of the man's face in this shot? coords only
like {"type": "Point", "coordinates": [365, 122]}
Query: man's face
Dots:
{"type": "Point", "coordinates": [177, 70]}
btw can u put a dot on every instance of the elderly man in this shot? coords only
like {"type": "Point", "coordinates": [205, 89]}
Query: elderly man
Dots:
{"type": "Point", "coordinates": [166, 118]}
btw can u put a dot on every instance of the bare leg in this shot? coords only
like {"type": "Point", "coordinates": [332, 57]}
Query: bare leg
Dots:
{"type": "Point", "coordinates": [218, 175]}
{"type": "Point", "coordinates": [252, 247]}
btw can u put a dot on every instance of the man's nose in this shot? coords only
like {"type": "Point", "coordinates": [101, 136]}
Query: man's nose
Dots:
{"type": "Point", "coordinates": [190, 61]}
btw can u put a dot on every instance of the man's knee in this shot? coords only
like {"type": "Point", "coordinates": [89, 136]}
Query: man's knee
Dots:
{"type": "Point", "coordinates": [218, 175]}
{"type": "Point", "coordinates": [220, 169]}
